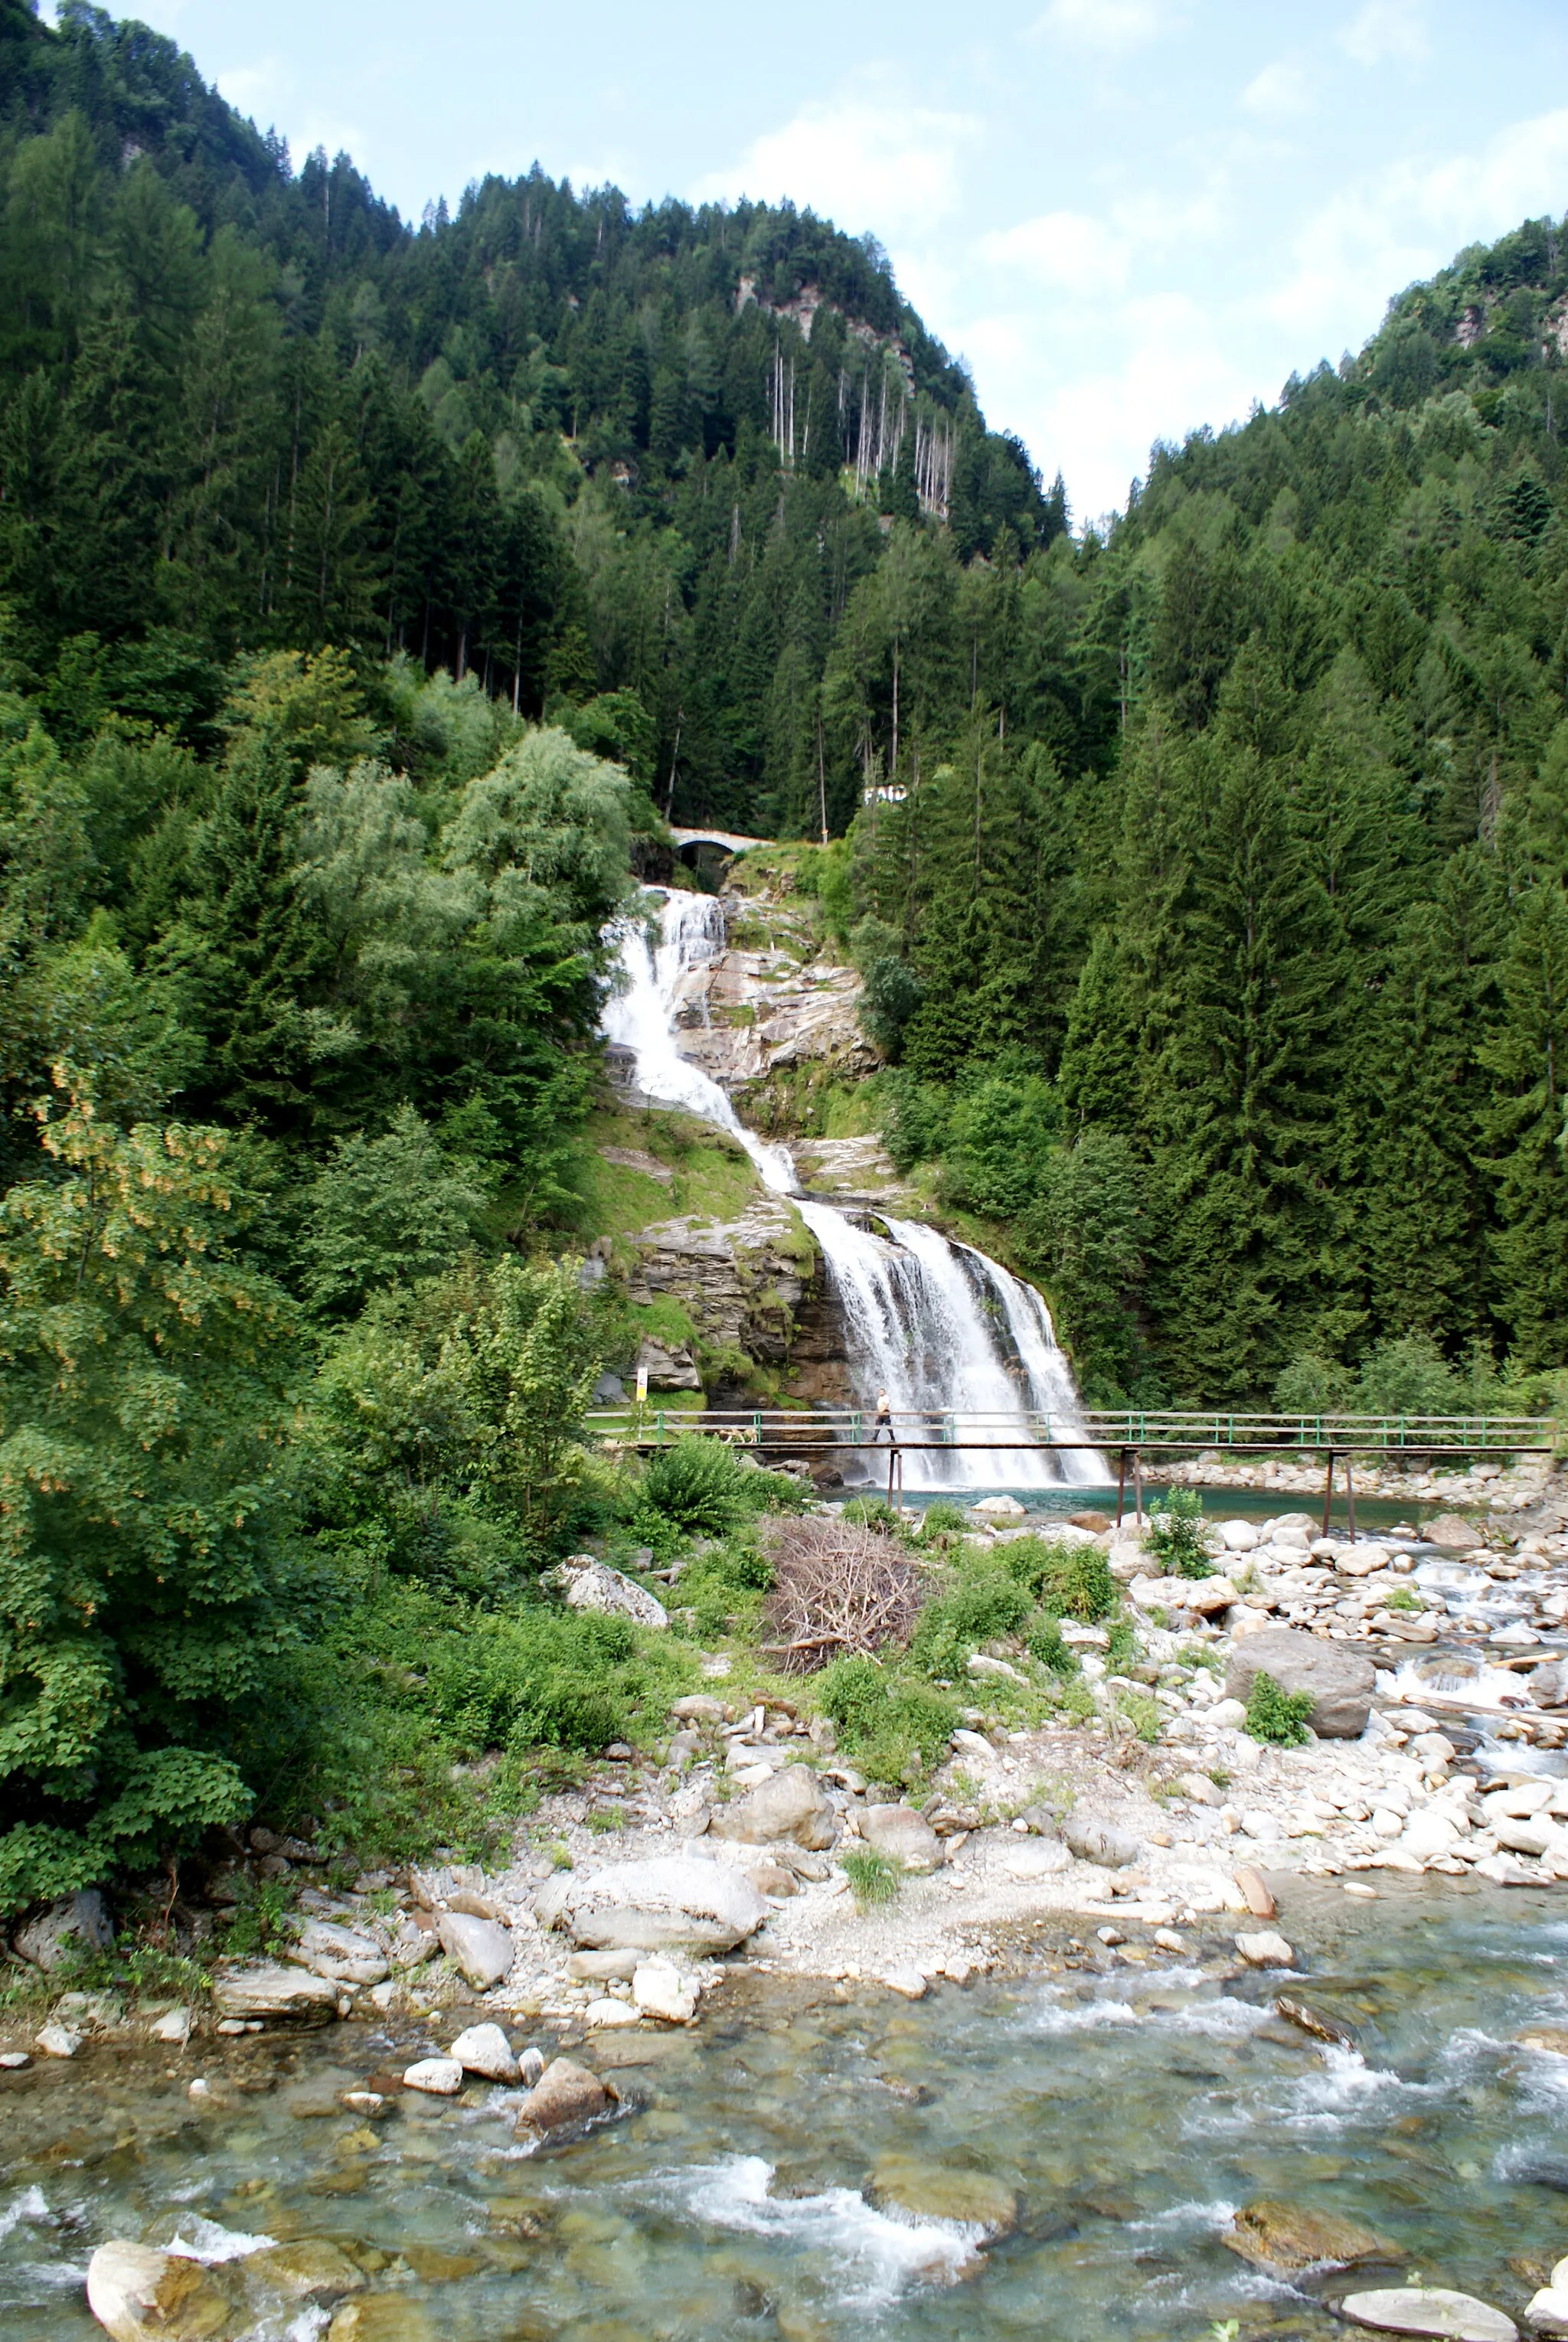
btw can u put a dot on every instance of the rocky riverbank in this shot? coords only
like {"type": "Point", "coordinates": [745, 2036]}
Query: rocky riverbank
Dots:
{"type": "Point", "coordinates": [1151, 1808]}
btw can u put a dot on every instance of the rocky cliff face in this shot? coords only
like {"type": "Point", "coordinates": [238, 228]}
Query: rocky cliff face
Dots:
{"type": "Point", "coordinates": [775, 1015]}
{"type": "Point", "coordinates": [755, 1289]}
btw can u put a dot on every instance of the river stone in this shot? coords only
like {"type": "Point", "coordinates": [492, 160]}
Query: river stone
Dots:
{"type": "Point", "coordinates": [1276, 2236]}
{"type": "Point", "coordinates": [269, 1989]}
{"type": "Point", "coordinates": [673, 1903]}
{"type": "Point", "coordinates": [1548, 1684]}
{"type": "Point", "coordinates": [341, 1952]}
{"type": "Point", "coordinates": [659, 1990]}
{"type": "Point", "coordinates": [438, 2077]}
{"type": "Point", "coordinates": [1429, 2309]}
{"type": "Point", "coordinates": [565, 2095]}
{"type": "Point", "coordinates": [788, 1805]}
{"type": "Point", "coordinates": [593, 1585]}
{"type": "Point", "coordinates": [934, 2191]}
{"type": "Point", "coordinates": [382, 2318]}
{"type": "Point", "coordinates": [76, 1923]}
{"type": "Point", "coordinates": [698, 1707]}
{"type": "Point", "coordinates": [137, 2293]}
{"type": "Point", "coordinates": [1453, 1533]}
{"type": "Point", "coordinates": [1547, 2311]}
{"type": "Point", "coordinates": [1551, 2039]}
{"type": "Point", "coordinates": [58, 2041]}
{"type": "Point", "coordinates": [1266, 1950]}
{"type": "Point", "coordinates": [606, 2014]}
{"type": "Point", "coordinates": [306, 2265]}
{"type": "Point", "coordinates": [902, 1835]}
{"type": "Point", "coordinates": [1341, 1682]}
{"type": "Point", "coordinates": [481, 1949]}
{"type": "Point", "coordinates": [999, 1509]}
{"type": "Point", "coordinates": [1045, 1861]}
{"type": "Point", "coordinates": [1098, 1842]}
{"type": "Point", "coordinates": [485, 2049]}
{"type": "Point", "coordinates": [173, 2028]}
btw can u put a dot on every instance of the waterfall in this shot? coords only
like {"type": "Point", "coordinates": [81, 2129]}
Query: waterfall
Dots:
{"type": "Point", "coordinates": [941, 1327]}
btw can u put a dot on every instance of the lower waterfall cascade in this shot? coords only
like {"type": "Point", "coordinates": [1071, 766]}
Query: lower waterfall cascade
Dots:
{"type": "Point", "coordinates": [940, 1326]}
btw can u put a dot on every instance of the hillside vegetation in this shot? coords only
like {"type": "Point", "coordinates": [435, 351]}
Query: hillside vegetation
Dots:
{"type": "Point", "coordinates": [370, 595]}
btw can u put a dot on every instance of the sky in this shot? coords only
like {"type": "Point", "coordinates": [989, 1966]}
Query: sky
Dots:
{"type": "Point", "coordinates": [1130, 217]}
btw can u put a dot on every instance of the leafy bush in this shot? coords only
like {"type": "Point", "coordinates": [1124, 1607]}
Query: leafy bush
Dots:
{"type": "Point", "coordinates": [1175, 1535]}
{"type": "Point", "coordinates": [1277, 1715]}
{"type": "Point", "coordinates": [943, 1519]}
{"type": "Point", "coordinates": [723, 1584]}
{"type": "Point", "coordinates": [1409, 1375]}
{"type": "Point", "coordinates": [872, 1876]}
{"type": "Point", "coordinates": [1142, 1713]}
{"type": "Point", "coordinates": [700, 1486]}
{"type": "Point", "coordinates": [875, 1513]}
{"type": "Point", "coordinates": [1073, 1581]}
{"type": "Point", "coordinates": [983, 1603]}
{"type": "Point", "coordinates": [1045, 1643]}
{"type": "Point", "coordinates": [884, 1720]}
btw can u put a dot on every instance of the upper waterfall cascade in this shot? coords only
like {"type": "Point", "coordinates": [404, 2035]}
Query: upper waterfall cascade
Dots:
{"type": "Point", "coordinates": [939, 1326]}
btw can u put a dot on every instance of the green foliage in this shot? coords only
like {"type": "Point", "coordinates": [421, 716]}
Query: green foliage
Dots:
{"type": "Point", "coordinates": [885, 1720]}
{"type": "Point", "coordinates": [875, 1513]}
{"type": "Point", "coordinates": [1276, 1716]}
{"type": "Point", "coordinates": [981, 1604]}
{"type": "Point", "coordinates": [1071, 1581]}
{"type": "Point", "coordinates": [1175, 1535]}
{"type": "Point", "coordinates": [723, 1587]}
{"type": "Point", "coordinates": [1045, 1643]}
{"type": "Point", "coordinates": [943, 1519]}
{"type": "Point", "coordinates": [702, 1487]}
{"type": "Point", "coordinates": [873, 1878]}
{"type": "Point", "coordinates": [387, 1209]}
{"type": "Point", "coordinates": [1142, 1713]}
{"type": "Point", "coordinates": [146, 1554]}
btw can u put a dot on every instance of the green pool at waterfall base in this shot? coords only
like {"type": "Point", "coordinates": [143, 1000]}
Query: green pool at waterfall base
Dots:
{"type": "Point", "coordinates": [1125, 2112]}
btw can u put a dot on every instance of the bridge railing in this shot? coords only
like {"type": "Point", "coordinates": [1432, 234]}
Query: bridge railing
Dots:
{"type": "Point", "coordinates": [1143, 1428]}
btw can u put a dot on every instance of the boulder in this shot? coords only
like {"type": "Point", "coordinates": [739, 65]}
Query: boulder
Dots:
{"type": "Point", "coordinates": [307, 2268]}
{"type": "Point", "coordinates": [1098, 1842]}
{"type": "Point", "coordinates": [601, 2016]}
{"type": "Point", "coordinates": [137, 2293]}
{"type": "Point", "coordinates": [483, 2049]}
{"type": "Point", "coordinates": [672, 1903]}
{"type": "Point", "coordinates": [789, 1804]}
{"type": "Point", "coordinates": [565, 2096]}
{"type": "Point", "coordinates": [437, 2077]}
{"type": "Point", "coordinates": [1546, 2312]}
{"type": "Point", "coordinates": [1431, 2309]}
{"type": "Point", "coordinates": [935, 2191]}
{"type": "Point", "coordinates": [340, 1953]}
{"type": "Point", "coordinates": [1266, 1950]}
{"type": "Point", "coordinates": [698, 1707]}
{"type": "Point", "coordinates": [1430, 1834]}
{"type": "Point", "coordinates": [1205, 1595]}
{"type": "Point", "coordinates": [660, 1990]}
{"type": "Point", "coordinates": [1453, 1533]}
{"type": "Point", "coordinates": [481, 1949]}
{"type": "Point", "coordinates": [1289, 2237]}
{"type": "Point", "coordinates": [58, 2041]}
{"type": "Point", "coordinates": [1199, 1790]}
{"type": "Point", "coordinates": [998, 1508]}
{"type": "Point", "coordinates": [175, 2027]}
{"type": "Point", "coordinates": [1237, 1537]}
{"type": "Point", "coordinates": [592, 1584]}
{"type": "Point", "coordinates": [266, 1989]}
{"type": "Point", "coordinates": [1044, 1859]}
{"type": "Point", "coordinates": [1548, 1684]}
{"type": "Point", "coordinates": [902, 1835]}
{"type": "Point", "coordinates": [1340, 1681]}
{"type": "Point", "coordinates": [76, 1923]}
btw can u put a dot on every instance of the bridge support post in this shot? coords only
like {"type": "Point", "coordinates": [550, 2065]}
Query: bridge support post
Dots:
{"type": "Point", "coordinates": [1138, 1485]}
{"type": "Point", "coordinates": [1328, 1492]}
{"type": "Point", "coordinates": [1121, 1485]}
{"type": "Point", "coordinates": [1350, 1497]}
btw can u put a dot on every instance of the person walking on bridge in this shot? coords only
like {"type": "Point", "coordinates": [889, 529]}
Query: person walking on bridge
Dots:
{"type": "Point", "coordinates": [882, 1429]}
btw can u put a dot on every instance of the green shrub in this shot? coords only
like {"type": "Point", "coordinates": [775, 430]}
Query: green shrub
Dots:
{"type": "Point", "coordinates": [699, 1485]}
{"type": "Point", "coordinates": [875, 1513]}
{"type": "Point", "coordinates": [1276, 1714]}
{"type": "Point", "coordinates": [1142, 1713]}
{"type": "Point", "coordinates": [872, 1876]}
{"type": "Point", "coordinates": [1073, 1581]}
{"type": "Point", "coordinates": [1175, 1535]}
{"type": "Point", "coordinates": [1402, 1598]}
{"type": "Point", "coordinates": [943, 1519]}
{"type": "Point", "coordinates": [724, 1584]}
{"type": "Point", "coordinates": [884, 1720]}
{"type": "Point", "coordinates": [1045, 1645]}
{"type": "Point", "coordinates": [983, 1603]}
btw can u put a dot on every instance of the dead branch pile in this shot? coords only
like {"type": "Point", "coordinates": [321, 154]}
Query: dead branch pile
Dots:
{"type": "Point", "coordinates": [837, 1589]}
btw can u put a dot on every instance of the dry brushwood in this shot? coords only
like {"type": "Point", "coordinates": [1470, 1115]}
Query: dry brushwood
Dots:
{"type": "Point", "coordinates": [837, 1590]}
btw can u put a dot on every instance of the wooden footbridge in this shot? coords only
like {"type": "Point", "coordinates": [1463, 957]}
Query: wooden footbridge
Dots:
{"type": "Point", "coordinates": [819, 1434]}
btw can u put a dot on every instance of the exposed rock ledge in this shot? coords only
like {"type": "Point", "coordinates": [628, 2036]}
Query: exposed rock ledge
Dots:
{"type": "Point", "coordinates": [756, 1289]}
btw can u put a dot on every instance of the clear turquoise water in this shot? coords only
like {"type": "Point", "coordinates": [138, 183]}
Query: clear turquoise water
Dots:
{"type": "Point", "coordinates": [1130, 2110]}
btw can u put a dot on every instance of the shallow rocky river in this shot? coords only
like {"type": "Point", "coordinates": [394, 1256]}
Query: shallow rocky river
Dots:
{"type": "Point", "coordinates": [1067, 2148]}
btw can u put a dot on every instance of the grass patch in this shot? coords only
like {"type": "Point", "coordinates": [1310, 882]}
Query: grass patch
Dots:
{"type": "Point", "coordinates": [1276, 1714]}
{"type": "Point", "coordinates": [873, 1878]}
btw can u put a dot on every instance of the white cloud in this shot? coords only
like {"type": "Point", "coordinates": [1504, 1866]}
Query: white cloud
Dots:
{"type": "Point", "coordinates": [1384, 29]}
{"type": "Point", "coordinates": [868, 162]}
{"type": "Point", "coordinates": [250, 88]}
{"type": "Point", "coordinates": [1113, 24]}
{"type": "Point", "coordinates": [1280, 89]}
{"type": "Point", "coordinates": [1065, 249]}
{"type": "Point", "coordinates": [1406, 221]}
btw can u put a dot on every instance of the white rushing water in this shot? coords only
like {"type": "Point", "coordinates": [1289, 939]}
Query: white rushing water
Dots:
{"type": "Point", "coordinates": [941, 1327]}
